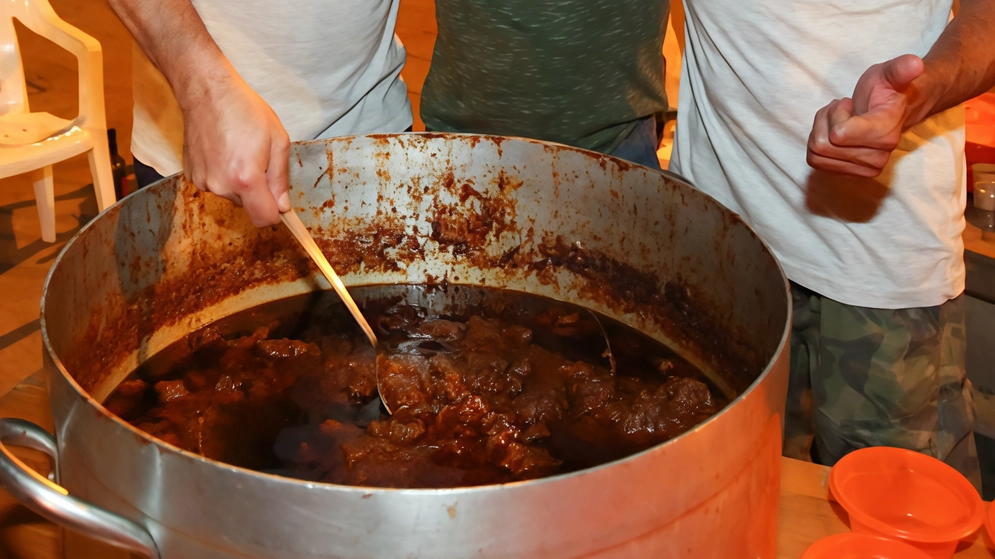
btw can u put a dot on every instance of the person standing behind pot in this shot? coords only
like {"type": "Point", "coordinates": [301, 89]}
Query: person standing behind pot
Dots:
{"type": "Point", "coordinates": [864, 207]}
{"type": "Point", "coordinates": [226, 84]}
{"type": "Point", "coordinates": [586, 73]}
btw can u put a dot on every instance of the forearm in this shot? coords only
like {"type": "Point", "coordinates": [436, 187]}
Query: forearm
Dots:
{"type": "Point", "coordinates": [961, 64]}
{"type": "Point", "coordinates": [173, 36]}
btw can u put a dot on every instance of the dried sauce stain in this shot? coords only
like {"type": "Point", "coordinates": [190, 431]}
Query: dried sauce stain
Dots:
{"type": "Point", "coordinates": [382, 139]}
{"type": "Point", "coordinates": [416, 192]}
{"type": "Point", "coordinates": [329, 172]}
{"type": "Point", "coordinates": [504, 182]}
{"type": "Point", "coordinates": [434, 136]}
{"type": "Point", "coordinates": [465, 228]}
{"type": "Point", "coordinates": [385, 248]}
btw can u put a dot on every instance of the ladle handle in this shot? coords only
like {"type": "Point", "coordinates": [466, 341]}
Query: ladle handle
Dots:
{"type": "Point", "coordinates": [54, 502]}
{"type": "Point", "coordinates": [303, 236]}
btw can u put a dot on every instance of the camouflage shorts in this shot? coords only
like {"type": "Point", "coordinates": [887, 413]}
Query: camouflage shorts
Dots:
{"type": "Point", "coordinates": [878, 377]}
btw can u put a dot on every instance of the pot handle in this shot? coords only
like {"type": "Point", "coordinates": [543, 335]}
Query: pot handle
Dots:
{"type": "Point", "coordinates": [53, 502]}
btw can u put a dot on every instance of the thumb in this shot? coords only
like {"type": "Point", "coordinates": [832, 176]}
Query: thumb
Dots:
{"type": "Point", "coordinates": [902, 70]}
{"type": "Point", "coordinates": [276, 174]}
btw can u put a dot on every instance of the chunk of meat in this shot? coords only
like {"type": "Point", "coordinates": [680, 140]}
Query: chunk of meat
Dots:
{"type": "Point", "coordinates": [169, 390]}
{"type": "Point", "coordinates": [674, 407]}
{"type": "Point", "coordinates": [688, 396]}
{"type": "Point", "coordinates": [527, 462]}
{"type": "Point", "coordinates": [482, 334]}
{"type": "Point", "coordinates": [441, 330]}
{"type": "Point", "coordinates": [448, 378]}
{"type": "Point", "coordinates": [286, 349]}
{"type": "Point", "coordinates": [536, 432]}
{"type": "Point", "coordinates": [399, 432]}
{"type": "Point", "coordinates": [402, 379]}
{"type": "Point", "coordinates": [592, 395]}
{"type": "Point", "coordinates": [401, 318]}
{"type": "Point", "coordinates": [132, 388]}
{"type": "Point", "coordinates": [518, 335]}
{"type": "Point", "coordinates": [541, 404]}
{"type": "Point", "coordinates": [127, 399]}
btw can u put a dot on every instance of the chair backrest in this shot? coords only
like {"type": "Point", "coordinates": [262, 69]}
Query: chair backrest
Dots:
{"type": "Point", "coordinates": [13, 92]}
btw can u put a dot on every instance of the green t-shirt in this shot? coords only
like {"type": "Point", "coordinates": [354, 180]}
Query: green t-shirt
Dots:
{"type": "Point", "coordinates": [578, 72]}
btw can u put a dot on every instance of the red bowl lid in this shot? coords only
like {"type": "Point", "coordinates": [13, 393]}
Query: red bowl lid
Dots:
{"type": "Point", "coordinates": [904, 494]}
{"type": "Point", "coordinates": [861, 546]}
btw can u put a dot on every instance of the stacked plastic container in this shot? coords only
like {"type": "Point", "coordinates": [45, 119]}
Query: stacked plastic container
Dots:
{"type": "Point", "coordinates": [901, 505]}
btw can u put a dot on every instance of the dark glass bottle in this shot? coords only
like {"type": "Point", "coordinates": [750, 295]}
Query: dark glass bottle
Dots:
{"type": "Point", "coordinates": [118, 166]}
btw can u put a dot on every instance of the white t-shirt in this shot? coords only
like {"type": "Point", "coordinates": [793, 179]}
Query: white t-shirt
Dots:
{"type": "Point", "coordinates": [327, 68]}
{"type": "Point", "coordinates": [754, 75]}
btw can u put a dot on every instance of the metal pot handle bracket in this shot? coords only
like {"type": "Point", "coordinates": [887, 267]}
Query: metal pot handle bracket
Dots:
{"type": "Point", "coordinates": [54, 502]}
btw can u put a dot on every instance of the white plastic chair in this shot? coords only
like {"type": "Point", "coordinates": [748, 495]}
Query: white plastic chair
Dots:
{"type": "Point", "coordinates": [33, 142]}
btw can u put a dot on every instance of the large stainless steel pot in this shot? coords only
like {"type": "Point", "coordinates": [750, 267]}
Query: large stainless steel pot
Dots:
{"type": "Point", "coordinates": [637, 245]}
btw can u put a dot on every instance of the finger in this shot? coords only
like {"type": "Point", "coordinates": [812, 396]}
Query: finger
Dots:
{"type": "Point", "coordinates": [839, 167]}
{"type": "Point", "coordinates": [867, 157]}
{"type": "Point", "coordinates": [222, 189]}
{"type": "Point", "coordinates": [902, 70]}
{"type": "Point", "coordinates": [259, 204]}
{"type": "Point", "coordinates": [197, 179]}
{"type": "Point", "coordinates": [878, 129]}
{"type": "Point", "coordinates": [818, 139]}
{"type": "Point", "coordinates": [840, 112]}
{"type": "Point", "coordinates": [193, 171]}
{"type": "Point", "coordinates": [276, 173]}
{"type": "Point", "coordinates": [821, 140]}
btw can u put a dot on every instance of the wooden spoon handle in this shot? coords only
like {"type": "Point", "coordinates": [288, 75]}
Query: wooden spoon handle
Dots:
{"type": "Point", "coordinates": [304, 237]}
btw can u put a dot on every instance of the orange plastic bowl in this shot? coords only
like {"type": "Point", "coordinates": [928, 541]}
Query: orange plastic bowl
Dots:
{"type": "Point", "coordinates": [861, 546]}
{"type": "Point", "coordinates": [901, 494]}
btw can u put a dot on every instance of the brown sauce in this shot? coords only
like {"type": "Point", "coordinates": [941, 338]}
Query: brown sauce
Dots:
{"type": "Point", "coordinates": [500, 386]}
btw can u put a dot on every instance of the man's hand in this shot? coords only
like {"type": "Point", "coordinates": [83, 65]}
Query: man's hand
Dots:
{"type": "Point", "coordinates": [234, 144]}
{"type": "Point", "coordinates": [855, 136]}
{"type": "Point", "coordinates": [236, 147]}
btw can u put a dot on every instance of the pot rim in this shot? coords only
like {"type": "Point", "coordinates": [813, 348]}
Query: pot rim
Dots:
{"type": "Point", "coordinates": [149, 439]}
